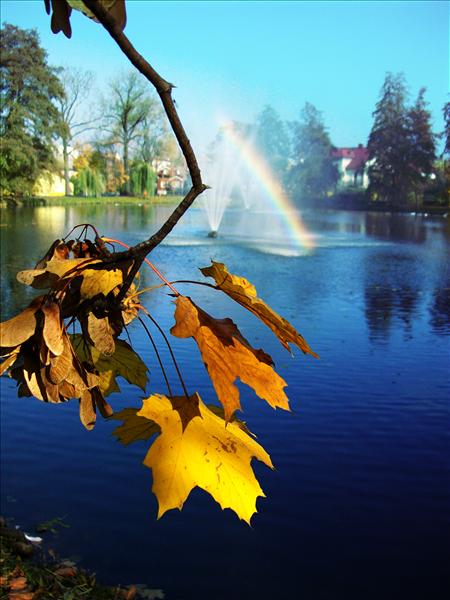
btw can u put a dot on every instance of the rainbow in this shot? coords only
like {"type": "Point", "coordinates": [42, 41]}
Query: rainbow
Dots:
{"type": "Point", "coordinates": [263, 172]}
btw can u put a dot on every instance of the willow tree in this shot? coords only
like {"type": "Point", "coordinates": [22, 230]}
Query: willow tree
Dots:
{"type": "Point", "coordinates": [196, 444]}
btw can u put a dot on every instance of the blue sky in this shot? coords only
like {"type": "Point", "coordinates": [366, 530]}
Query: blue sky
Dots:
{"type": "Point", "coordinates": [229, 59]}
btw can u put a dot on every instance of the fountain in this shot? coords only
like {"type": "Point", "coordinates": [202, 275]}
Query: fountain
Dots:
{"type": "Point", "coordinates": [243, 187]}
{"type": "Point", "coordinates": [223, 174]}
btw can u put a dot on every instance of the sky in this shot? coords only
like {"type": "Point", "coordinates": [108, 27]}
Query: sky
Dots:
{"type": "Point", "coordinates": [229, 59]}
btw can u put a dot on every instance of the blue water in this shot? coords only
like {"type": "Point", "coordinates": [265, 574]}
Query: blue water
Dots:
{"type": "Point", "coordinates": [359, 503]}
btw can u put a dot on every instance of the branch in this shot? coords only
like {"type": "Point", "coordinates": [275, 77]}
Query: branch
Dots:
{"type": "Point", "coordinates": [164, 90]}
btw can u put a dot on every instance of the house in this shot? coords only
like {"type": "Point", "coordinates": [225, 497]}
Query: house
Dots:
{"type": "Point", "coordinates": [50, 184]}
{"type": "Point", "coordinates": [170, 178]}
{"type": "Point", "coordinates": [352, 164]}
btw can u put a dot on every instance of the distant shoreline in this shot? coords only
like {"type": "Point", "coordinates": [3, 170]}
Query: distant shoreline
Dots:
{"type": "Point", "coordinates": [94, 201]}
{"type": "Point", "coordinates": [335, 203]}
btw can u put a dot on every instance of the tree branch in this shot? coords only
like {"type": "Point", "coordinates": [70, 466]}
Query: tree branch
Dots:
{"type": "Point", "coordinates": [164, 90]}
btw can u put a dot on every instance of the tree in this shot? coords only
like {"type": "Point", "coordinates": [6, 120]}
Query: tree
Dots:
{"type": "Point", "coordinates": [446, 133]}
{"type": "Point", "coordinates": [422, 147]}
{"type": "Point", "coordinates": [401, 144]}
{"type": "Point", "coordinates": [28, 117]}
{"type": "Point", "coordinates": [272, 140]}
{"type": "Point", "coordinates": [127, 116]}
{"type": "Point", "coordinates": [77, 85]}
{"type": "Point", "coordinates": [313, 172]}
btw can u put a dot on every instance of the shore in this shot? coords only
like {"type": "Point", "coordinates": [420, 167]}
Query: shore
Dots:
{"type": "Point", "coordinates": [82, 201]}
{"type": "Point", "coordinates": [30, 570]}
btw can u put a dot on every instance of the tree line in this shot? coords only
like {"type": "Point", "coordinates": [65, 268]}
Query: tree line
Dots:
{"type": "Point", "coordinates": [403, 164]}
{"type": "Point", "coordinates": [42, 107]}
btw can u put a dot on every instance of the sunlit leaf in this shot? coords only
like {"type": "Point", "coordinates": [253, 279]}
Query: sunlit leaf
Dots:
{"type": "Point", "coordinates": [101, 281]}
{"type": "Point", "coordinates": [243, 292]}
{"type": "Point", "coordinates": [205, 453]}
{"type": "Point", "coordinates": [228, 356]}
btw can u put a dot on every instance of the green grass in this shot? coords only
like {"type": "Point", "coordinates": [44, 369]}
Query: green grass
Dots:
{"type": "Point", "coordinates": [72, 200]}
{"type": "Point", "coordinates": [105, 200]}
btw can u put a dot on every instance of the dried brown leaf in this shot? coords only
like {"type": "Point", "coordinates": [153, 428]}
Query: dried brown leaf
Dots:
{"type": "Point", "coordinates": [227, 356]}
{"type": "Point", "coordinates": [243, 292]}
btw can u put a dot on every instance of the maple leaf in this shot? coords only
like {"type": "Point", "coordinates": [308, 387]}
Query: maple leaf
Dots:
{"type": "Point", "coordinates": [227, 356]}
{"type": "Point", "coordinates": [203, 453]}
{"type": "Point", "coordinates": [133, 428]}
{"type": "Point", "coordinates": [243, 292]}
{"type": "Point", "coordinates": [123, 362]}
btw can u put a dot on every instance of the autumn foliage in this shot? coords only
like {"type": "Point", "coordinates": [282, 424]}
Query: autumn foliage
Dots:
{"type": "Point", "coordinates": [195, 444]}
{"type": "Point", "coordinates": [67, 345]}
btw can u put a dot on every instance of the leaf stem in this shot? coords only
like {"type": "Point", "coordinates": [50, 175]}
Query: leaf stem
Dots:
{"type": "Point", "coordinates": [150, 337]}
{"type": "Point", "coordinates": [161, 331]}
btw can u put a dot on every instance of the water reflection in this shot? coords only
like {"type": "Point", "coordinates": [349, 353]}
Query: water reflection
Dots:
{"type": "Point", "coordinates": [440, 311]}
{"type": "Point", "coordinates": [364, 451]}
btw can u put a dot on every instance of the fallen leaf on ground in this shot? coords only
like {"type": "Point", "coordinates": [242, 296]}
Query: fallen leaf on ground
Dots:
{"type": "Point", "coordinates": [243, 292]}
{"type": "Point", "coordinates": [18, 584]}
{"type": "Point", "coordinates": [203, 453]}
{"type": "Point", "coordinates": [228, 356]}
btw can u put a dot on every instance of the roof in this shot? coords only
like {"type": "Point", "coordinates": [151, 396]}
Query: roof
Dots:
{"type": "Point", "coordinates": [358, 156]}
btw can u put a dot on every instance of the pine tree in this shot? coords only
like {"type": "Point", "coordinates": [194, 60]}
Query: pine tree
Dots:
{"type": "Point", "coordinates": [422, 147]}
{"type": "Point", "coordinates": [389, 144]}
{"type": "Point", "coordinates": [313, 172]}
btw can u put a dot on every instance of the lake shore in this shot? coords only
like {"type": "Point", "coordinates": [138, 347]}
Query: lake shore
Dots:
{"type": "Point", "coordinates": [82, 201]}
{"type": "Point", "coordinates": [348, 202]}
{"type": "Point", "coordinates": [30, 570]}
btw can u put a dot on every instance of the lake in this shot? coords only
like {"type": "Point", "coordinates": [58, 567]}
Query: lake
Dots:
{"type": "Point", "coordinates": [358, 505]}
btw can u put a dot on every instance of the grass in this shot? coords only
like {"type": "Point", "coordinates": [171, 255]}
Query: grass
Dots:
{"type": "Point", "coordinates": [103, 200]}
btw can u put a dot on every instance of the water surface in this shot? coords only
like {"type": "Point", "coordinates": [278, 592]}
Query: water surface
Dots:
{"type": "Point", "coordinates": [358, 506]}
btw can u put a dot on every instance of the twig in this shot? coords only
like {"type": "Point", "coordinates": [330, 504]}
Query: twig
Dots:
{"type": "Point", "coordinates": [164, 90]}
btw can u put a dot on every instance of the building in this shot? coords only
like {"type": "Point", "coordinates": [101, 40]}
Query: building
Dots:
{"type": "Point", "coordinates": [170, 179]}
{"type": "Point", "coordinates": [352, 164]}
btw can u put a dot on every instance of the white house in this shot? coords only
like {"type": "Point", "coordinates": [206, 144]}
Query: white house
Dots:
{"type": "Point", "coordinates": [352, 164]}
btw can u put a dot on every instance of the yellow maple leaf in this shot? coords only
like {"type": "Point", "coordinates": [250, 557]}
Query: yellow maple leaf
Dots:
{"type": "Point", "coordinates": [243, 292]}
{"type": "Point", "coordinates": [203, 453]}
{"type": "Point", "coordinates": [228, 356]}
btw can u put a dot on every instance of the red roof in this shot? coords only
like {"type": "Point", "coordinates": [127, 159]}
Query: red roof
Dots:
{"type": "Point", "coordinates": [359, 156]}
